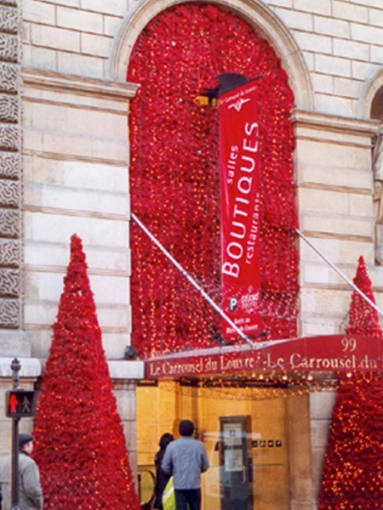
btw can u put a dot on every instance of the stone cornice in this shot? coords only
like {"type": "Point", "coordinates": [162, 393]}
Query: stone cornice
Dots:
{"type": "Point", "coordinates": [103, 89]}
{"type": "Point", "coordinates": [321, 121]}
{"type": "Point", "coordinates": [126, 370]}
{"type": "Point", "coordinates": [33, 368]}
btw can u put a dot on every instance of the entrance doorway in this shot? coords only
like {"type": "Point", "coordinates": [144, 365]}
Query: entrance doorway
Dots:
{"type": "Point", "coordinates": [244, 430]}
{"type": "Point", "coordinates": [236, 470]}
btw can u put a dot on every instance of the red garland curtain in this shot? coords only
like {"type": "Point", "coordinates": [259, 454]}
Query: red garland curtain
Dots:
{"type": "Point", "coordinates": [174, 179]}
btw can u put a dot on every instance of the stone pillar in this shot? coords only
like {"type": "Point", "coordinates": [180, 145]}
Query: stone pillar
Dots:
{"type": "Point", "coordinates": [75, 179]}
{"type": "Point", "coordinates": [12, 340]}
{"type": "Point", "coordinates": [321, 406]}
{"type": "Point", "coordinates": [334, 194]}
{"type": "Point", "coordinates": [125, 375]}
{"type": "Point", "coordinates": [300, 452]}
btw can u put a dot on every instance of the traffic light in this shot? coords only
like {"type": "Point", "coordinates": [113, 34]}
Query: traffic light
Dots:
{"type": "Point", "coordinates": [20, 403]}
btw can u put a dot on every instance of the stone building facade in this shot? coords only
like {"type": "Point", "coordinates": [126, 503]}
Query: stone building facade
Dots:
{"type": "Point", "coordinates": [64, 163]}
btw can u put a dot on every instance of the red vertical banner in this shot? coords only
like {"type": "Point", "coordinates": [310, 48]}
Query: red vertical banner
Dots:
{"type": "Point", "coordinates": [240, 215]}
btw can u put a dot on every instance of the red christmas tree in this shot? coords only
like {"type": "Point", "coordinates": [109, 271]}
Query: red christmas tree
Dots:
{"type": "Point", "coordinates": [363, 318]}
{"type": "Point", "coordinates": [80, 445]}
{"type": "Point", "coordinates": [353, 472]}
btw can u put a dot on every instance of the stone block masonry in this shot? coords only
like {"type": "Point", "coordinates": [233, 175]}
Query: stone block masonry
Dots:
{"type": "Point", "coordinates": [10, 233]}
{"type": "Point", "coordinates": [74, 36]}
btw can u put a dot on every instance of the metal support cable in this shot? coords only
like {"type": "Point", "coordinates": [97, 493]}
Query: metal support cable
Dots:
{"type": "Point", "coordinates": [259, 345]}
{"type": "Point", "coordinates": [191, 280]}
{"type": "Point", "coordinates": [352, 284]}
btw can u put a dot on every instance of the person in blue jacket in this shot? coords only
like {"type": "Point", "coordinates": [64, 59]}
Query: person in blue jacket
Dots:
{"type": "Point", "coordinates": [185, 459]}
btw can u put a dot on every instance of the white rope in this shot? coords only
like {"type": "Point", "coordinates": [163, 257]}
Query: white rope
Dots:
{"type": "Point", "coordinates": [366, 298]}
{"type": "Point", "coordinates": [192, 281]}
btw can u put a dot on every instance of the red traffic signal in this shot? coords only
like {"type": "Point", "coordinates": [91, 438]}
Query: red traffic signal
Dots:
{"type": "Point", "coordinates": [20, 403]}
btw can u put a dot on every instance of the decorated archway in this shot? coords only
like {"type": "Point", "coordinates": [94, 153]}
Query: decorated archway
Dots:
{"type": "Point", "coordinates": [257, 14]}
{"type": "Point", "coordinates": [174, 179]}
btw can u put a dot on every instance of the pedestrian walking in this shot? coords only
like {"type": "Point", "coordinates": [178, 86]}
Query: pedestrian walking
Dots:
{"type": "Point", "coordinates": [162, 477]}
{"type": "Point", "coordinates": [185, 459]}
{"type": "Point", "coordinates": [30, 491]}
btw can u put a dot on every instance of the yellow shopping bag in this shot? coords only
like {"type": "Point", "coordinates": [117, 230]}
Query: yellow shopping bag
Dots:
{"type": "Point", "coordinates": [168, 497]}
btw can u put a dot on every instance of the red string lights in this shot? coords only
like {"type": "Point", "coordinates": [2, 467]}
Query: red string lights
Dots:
{"type": "Point", "coordinates": [80, 444]}
{"type": "Point", "coordinates": [363, 319]}
{"type": "Point", "coordinates": [174, 179]}
{"type": "Point", "coordinates": [353, 471]}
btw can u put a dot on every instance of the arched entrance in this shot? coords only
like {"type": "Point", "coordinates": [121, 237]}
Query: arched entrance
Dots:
{"type": "Point", "coordinates": [245, 431]}
{"type": "Point", "coordinates": [264, 21]}
{"type": "Point", "coordinates": [174, 190]}
{"type": "Point", "coordinates": [174, 180]}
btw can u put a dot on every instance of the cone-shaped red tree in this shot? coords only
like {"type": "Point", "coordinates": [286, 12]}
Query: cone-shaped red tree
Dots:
{"type": "Point", "coordinates": [363, 319]}
{"type": "Point", "coordinates": [353, 472]}
{"type": "Point", "coordinates": [80, 445]}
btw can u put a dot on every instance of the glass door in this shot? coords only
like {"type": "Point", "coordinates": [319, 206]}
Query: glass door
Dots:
{"type": "Point", "coordinates": [235, 463]}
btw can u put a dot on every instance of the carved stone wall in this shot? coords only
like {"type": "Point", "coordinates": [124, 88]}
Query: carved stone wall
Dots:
{"type": "Point", "coordinates": [10, 309]}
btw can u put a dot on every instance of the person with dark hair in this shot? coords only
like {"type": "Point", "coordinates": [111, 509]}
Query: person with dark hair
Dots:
{"type": "Point", "coordinates": [30, 492]}
{"type": "Point", "coordinates": [162, 478]}
{"type": "Point", "coordinates": [186, 459]}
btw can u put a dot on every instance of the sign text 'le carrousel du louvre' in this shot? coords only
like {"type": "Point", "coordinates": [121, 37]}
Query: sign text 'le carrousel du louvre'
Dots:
{"type": "Point", "coordinates": [333, 353]}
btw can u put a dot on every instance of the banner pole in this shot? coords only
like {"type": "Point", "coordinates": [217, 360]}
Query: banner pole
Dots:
{"type": "Point", "coordinates": [191, 280]}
